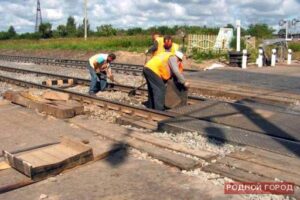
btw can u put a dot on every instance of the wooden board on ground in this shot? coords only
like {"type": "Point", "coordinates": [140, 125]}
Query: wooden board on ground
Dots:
{"type": "Point", "coordinates": [58, 109]}
{"type": "Point", "coordinates": [4, 165]}
{"type": "Point", "coordinates": [261, 170]}
{"type": "Point", "coordinates": [53, 95]}
{"type": "Point", "coordinates": [268, 159]}
{"type": "Point", "coordinates": [50, 160]}
{"type": "Point", "coordinates": [240, 174]}
{"type": "Point", "coordinates": [161, 154]}
{"type": "Point", "coordinates": [59, 83]}
{"type": "Point", "coordinates": [137, 122]}
{"type": "Point", "coordinates": [11, 179]}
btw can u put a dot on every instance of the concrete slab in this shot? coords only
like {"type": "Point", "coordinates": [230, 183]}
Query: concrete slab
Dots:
{"type": "Point", "coordinates": [270, 122]}
{"type": "Point", "coordinates": [285, 79]}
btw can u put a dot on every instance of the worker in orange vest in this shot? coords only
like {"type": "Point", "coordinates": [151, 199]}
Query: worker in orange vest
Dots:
{"type": "Point", "coordinates": [157, 71]}
{"type": "Point", "coordinates": [162, 44]}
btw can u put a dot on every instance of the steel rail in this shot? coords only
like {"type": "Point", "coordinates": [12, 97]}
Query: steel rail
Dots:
{"type": "Point", "coordinates": [82, 81]}
{"type": "Point", "coordinates": [99, 101]}
{"type": "Point", "coordinates": [118, 67]}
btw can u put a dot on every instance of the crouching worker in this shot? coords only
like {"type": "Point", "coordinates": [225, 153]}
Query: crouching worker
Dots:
{"type": "Point", "coordinates": [157, 72]}
{"type": "Point", "coordinates": [99, 70]}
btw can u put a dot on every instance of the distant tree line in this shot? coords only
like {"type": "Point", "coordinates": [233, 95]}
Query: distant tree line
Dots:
{"type": "Point", "coordinates": [71, 29]}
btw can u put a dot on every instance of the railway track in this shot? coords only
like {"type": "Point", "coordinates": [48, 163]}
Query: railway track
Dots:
{"type": "Point", "coordinates": [189, 112]}
{"type": "Point", "coordinates": [101, 102]}
{"type": "Point", "coordinates": [81, 64]}
{"type": "Point", "coordinates": [86, 82]}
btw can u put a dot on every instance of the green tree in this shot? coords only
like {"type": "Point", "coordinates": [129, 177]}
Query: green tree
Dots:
{"type": "Point", "coordinates": [11, 32]}
{"type": "Point", "coordinates": [71, 27]}
{"type": "Point", "coordinates": [80, 30]}
{"type": "Point", "coordinates": [260, 31]}
{"type": "Point", "coordinates": [45, 29]}
{"type": "Point", "coordinates": [106, 30]}
{"type": "Point", "coordinates": [134, 31]}
{"type": "Point", "coordinates": [230, 26]}
{"type": "Point", "coordinates": [4, 35]}
{"type": "Point", "coordinates": [62, 31]}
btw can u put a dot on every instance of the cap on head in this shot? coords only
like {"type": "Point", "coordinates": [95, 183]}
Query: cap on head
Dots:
{"type": "Point", "coordinates": [179, 55]}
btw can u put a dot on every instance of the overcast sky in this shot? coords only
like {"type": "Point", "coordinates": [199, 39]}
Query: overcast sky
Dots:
{"type": "Point", "coordinates": [146, 13]}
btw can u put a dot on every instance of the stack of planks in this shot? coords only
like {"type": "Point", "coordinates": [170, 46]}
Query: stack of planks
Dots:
{"type": "Point", "coordinates": [49, 160]}
{"type": "Point", "coordinates": [53, 103]}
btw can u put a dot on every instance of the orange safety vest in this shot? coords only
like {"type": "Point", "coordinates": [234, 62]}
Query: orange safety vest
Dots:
{"type": "Point", "coordinates": [159, 65]}
{"type": "Point", "coordinates": [160, 46]}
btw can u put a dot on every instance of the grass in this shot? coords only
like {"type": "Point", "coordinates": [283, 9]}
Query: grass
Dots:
{"type": "Point", "coordinates": [200, 56]}
{"type": "Point", "coordinates": [295, 46]}
{"type": "Point", "coordinates": [127, 43]}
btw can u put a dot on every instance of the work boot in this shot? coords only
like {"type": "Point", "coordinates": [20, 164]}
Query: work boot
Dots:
{"type": "Point", "coordinates": [92, 94]}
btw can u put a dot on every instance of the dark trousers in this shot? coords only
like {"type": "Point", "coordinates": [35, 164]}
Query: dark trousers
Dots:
{"type": "Point", "coordinates": [156, 90]}
{"type": "Point", "coordinates": [98, 80]}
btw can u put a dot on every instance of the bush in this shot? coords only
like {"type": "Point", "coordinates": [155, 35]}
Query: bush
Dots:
{"type": "Point", "coordinates": [294, 46]}
{"type": "Point", "coordinates": [199, 56]}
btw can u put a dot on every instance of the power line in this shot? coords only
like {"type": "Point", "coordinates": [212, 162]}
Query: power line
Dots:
{"type": "Point", "coordinates": [38, 18]}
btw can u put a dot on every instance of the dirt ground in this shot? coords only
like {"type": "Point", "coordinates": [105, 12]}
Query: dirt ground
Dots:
{"type": "Point", "coordinates": [122, 56]}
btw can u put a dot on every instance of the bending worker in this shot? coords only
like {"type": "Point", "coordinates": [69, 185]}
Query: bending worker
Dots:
{"type": "Point", "coordinates": [162, 44]}
{"type": "Point", "coordinates": [99, 70]}
{"type": "Point", "coordinates": [157, 72]}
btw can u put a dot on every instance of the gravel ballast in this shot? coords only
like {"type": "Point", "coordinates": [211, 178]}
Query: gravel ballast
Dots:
{"type": "Point", "coordinates": [74, 72]}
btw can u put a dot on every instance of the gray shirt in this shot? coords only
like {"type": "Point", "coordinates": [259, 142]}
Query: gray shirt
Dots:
{"type": "Point", "coordinates": [175, 70]}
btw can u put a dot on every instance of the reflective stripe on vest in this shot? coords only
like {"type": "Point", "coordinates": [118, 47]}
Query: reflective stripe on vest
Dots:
{"type": "Point", "coordinates": [180, 67]}
{"type": "Point", "coordinates": [159, 65]}
{"type": "Point", "coordinates": [160, 46]}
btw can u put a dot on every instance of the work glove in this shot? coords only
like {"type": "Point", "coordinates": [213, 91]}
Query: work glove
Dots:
{"type": "Point", "coordinates": [187, 84]}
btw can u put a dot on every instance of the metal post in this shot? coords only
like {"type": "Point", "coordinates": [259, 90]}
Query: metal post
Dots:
{"type": "Point", "coordinates": [273, 59]}
{"type": "Point", "coordinates": [244, 61]}
{"type": "Point", "coordinates": [289, 60]}
{"type": "Point", "coordinates": [286, 30]}
{"type": "Point", "coordinates": [260, 58]}
{"type": "Point", "coordinates": [238, 35]}
{"type": "Point", "coordinates": [85, 19]}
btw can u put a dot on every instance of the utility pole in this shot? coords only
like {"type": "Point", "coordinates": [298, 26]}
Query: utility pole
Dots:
{"type": "Point", "coordinates": [85, 19]}
{"type": "Point", "coordinates": [38, 18]}
{"type": "Point", "coordinates": [238, 35]}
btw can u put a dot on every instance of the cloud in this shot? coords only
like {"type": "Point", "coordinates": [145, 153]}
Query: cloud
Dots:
{"type": "Point", "coordinates": [146, 13]}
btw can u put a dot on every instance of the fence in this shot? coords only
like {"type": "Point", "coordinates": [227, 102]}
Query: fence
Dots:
{"type": "Point", "coordinates": [201, 43]}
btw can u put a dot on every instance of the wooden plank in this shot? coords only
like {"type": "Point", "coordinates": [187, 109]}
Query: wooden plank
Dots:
{"type": "Point", "coordinates": [4, 165]}
{"type": "Point", "coordinates": [205, 155]}
{"type": "Point", "coordinates": [38, 163]}
{"type": "Point", "coordinates": [261, 170]}
{"type": "Point", "coordinates": [269, 159]}
{"type": "Point", "coordinates": [11, 179]}
{"type": "Point", "coordinates": [52, 95]}
{"type": "Point", "coordinates": [160, 142]}
{"type": "Point", "coordinates": [4, 102]}
{"type": "Point", "coordinates": [294, 162]}
{"type": "Point", "coordinates": [161, 154]}
{"type": "Point", "coordinates": [240, 175]}
{"type": "Point", "coordinates": [57, 110]}
{"type": "Point", "coordinates": [137, 122]}
{"type": "Point", "coordinates": [234, 173]}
